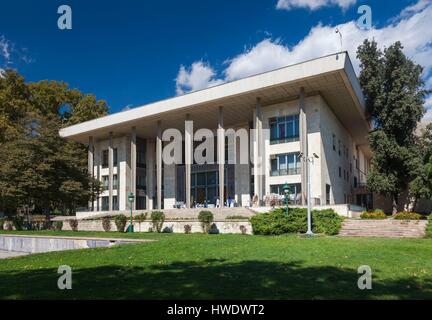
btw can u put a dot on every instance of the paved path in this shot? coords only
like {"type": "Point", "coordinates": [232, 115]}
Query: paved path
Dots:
{"type": "Point", "coordinates": [10, 254]}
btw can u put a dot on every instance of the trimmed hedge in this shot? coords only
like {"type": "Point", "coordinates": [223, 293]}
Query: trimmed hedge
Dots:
{"type": "Point", "coordinates": [377, 214]}
{"type": "Point", "coordinates": [408, 216]}
{"type": "Point", "coordinates": [276, 222]}
{"type": "Point", "coordinates": [206, 218]}
{"type": "Point", "coordinates": [120, 222]}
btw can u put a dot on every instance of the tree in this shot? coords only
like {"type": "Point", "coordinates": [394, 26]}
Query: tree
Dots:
{"type": "Point", "coordinates": [394, 96]}
{"type": "Point", "coordinates": [39, 169]}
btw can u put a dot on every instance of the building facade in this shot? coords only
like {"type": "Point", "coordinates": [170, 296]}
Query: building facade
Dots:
{"type": "Point", "coordinates": [262, 129]}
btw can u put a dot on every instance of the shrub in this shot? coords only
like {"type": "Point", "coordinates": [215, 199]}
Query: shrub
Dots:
{"type": "Point", "coordinates": [168, 230]}
{"type": "Point", "coordinates": [429, 227]}
{"type": "Point", "coordinates": [106, 224]}
{"type": "Point", "coordinates": [1, 224]}
{"type": "Point", "coordinates": [243, 229]}
{"type": "Point", "coordinates": [373, 215]}
{"type": "Point", "coordinates": [73, 223]}
{"type": "Point", "coordinates": [58, 225]}
{"type": "Point", "coordinates": [206, 218]}
{"type": "Point", "coordinates": [140, 219]}
{"type": "Point", "coordinates": [18, 223]}
{"type": "Point", "coordinates": [407, 216]}
{"type": "Point", "coordinates": [276, 222]}
{"type": "Point", "coordinates": [158, 219]}
{"type": "Point", "coordinates": [120, 222]}
{"type": "Point", "coordinates": [213, 229]}
{"type": "Point", "coordinates": [7, 225]}
{"type": "Point", "coordinates": [187, 228]}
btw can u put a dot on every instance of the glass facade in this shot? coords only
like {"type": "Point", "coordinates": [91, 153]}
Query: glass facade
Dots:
{"type": "Point", "coordinates": [284, 129]}
{"type": "Point", "coordinates": [285, 164]}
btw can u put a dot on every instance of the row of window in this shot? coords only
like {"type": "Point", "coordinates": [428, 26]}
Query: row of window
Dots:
{"type": "Point", "coordinates": [105, 157]}
{"type": "Point", "coordinates": [105, 203]}
{"type": "Point", "coordinates": [105, 182]}
{"type": "Point", "coordinates": [284, 129]}
{"type": "Point", "coordinates": [285, 164]}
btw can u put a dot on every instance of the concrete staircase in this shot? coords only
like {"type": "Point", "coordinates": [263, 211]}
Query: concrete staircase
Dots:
{"type": "Point", "coordinates": [388, 228]}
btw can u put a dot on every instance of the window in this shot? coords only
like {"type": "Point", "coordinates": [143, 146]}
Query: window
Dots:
{"type": "Point", "coordinates": [105, 203]}
{"type": "Point", "coordinates": [141, 182]}
{"type": "Point", "coordinates": [140, 159]}
{"type": "Point", "coordinates": [284, 129]}
{"type": "Point", "coordinates": [105, 182]}
{"type": "Point", "coordinates": [334, 142]}
{"type": "Point", "coordinates": [115, 157]}
{"type": "Point", "coordinates": [328, 191]}
{"type": "Point", "coordinates": [115, 182]}
{"type": "Point", "coordinates": [340, 172]}
{"type": "Point", "coordinates": [115, 203]}
{"type": "Point", "coordinates": [339, 147]}
{"type": "Point", "coordinates": [355, 182]}
{"type": "Point", "coordinates": [105, 159]}
{"type": "Point", "coordinates": [285, 164]}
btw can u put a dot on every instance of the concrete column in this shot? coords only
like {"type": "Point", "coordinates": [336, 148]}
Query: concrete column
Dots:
{"type": "Point", "coordinates": [188, 160]}
{"type": "Point", "coordinates": [159, 165]}
{"type": "Point", "coordinates": [258, 152]}
{"type": "Point", "coordinates": [110, 170]}
{"type": "Point", "coordinates": [303, 145]}
{"type": "Point", "coordinates": [169, 181]}
{"type": "Point", "coordinates": [133, 164]}
{"type": "Point", "coordinates": [91, 167]}
{"type": "Point", "coordinates": [150, 164]}
{"type": "Point", "coordinates": [221, 157]}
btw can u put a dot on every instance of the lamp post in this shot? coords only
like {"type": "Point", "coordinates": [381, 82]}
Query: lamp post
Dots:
{"type": "Point", "coordinates": [286, 190]}
{"type": "Point", "coordinates": [308, 161]}
{"type": "Point", "coordinates": [131, 198]}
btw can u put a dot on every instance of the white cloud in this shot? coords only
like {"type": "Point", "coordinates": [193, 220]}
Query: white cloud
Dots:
{"type": "Point", "coordinates": [199, 76]}
{"type": "Point", "coordinates": [413, 30]}
{"type": "Point", "coordinates": [313, 4]}
{"type": "Point", "coordinates": [5, 49]}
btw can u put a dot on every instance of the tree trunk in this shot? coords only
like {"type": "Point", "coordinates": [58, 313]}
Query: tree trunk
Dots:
{"type": "Point", "coordinates": [395, 203]}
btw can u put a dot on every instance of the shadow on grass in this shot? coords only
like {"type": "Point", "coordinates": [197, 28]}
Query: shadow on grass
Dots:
{"type": "Point", "coordinates": [209, 279]}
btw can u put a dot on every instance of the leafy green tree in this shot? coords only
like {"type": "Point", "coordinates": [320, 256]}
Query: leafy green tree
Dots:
{"type": "Point", "coordinates": [394, 94]}
{"type": "Point", "coordinates": [39, 169]}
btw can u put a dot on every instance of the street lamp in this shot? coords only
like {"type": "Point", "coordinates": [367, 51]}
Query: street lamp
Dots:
{"type": "Point", "coordinates": [131, 198]}
{"type": "Point", "coordinates": [308, 161]}
{"type": "Point", "coordinates": [286, 190]}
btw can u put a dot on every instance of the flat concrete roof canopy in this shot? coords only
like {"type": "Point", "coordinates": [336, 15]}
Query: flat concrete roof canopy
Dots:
{"type": "Point", "coordinates": [332, 77]}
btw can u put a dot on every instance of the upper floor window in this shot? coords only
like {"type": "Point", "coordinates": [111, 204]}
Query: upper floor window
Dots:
{"type": "Point", "coordinates": [105, 182]}
{"type": "Point", "coordinates": [285, 164]}
{"type": "Point", "coordinates": [105, 159]}
{"type": "Point", "coordinates": [284, 129]}
{"type": "Point", "coordinates": [115, 182]}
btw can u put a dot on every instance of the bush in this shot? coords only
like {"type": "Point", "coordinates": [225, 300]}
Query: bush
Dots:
{"type": "Point", "coordinates": [373, 215]}
{"type": "Point", "coordinates": [120, 222]}
{"type": "Point", "coordinates": [7, 225]}
{"type": "Point", "coordinates": [73, 223]}
{"type": "Point", "coordinates": [243, 229]}
{"type": "Point", "coordinates": [429, 227]}
{"type": "Point", "coordinates": [1, 224]}
{"type": "Point", "coordinates": [408, 216]}
{"type": "Point", "coordinates": [106, 224]}
{"type": "Point", "coordinates": [187, 228]}
{"type": "Point", "coordinates": [276, 222]}
{"type": "Point", "coordinates": [158, 219]}
{"type": "Point", "coordinates": [206, 218]}
{"type": "Point", "coordinates": [58, 225]}
{"type": "Point", "coordinates": [18, 223]}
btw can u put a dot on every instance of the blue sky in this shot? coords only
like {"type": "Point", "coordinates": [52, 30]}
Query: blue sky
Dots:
{"type": "Point", "coordinates": [134, 52]}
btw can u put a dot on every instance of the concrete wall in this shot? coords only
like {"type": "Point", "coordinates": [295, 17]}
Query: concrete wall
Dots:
{"type": "Point", "coordinates": [224, 227]}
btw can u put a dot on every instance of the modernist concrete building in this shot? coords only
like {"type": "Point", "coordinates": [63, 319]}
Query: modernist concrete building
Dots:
{"type": "Point", "coordinates": [314, 107]}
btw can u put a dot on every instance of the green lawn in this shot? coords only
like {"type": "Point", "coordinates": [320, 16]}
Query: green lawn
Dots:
{"type": "Point", "coordinates": [195, 266]}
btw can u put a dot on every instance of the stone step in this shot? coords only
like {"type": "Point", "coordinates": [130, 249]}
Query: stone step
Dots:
{"type": "Point", "coordinates": [383, 228]}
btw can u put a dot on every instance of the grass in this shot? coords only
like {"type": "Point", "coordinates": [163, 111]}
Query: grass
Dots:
{"type": "Point", "coordinates": [196, 266]}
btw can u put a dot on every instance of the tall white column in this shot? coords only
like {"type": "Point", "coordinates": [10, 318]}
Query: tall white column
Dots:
{"type": "Point", "coordinates": [110, 170]}
{"type": "Point", "coordinates": [258, 152]}
{"type": "Point", "coordinates": [188, 159]}
{"type": "Point", "coordinates": [150, 165]}
{"type": "Point", "coordinates": [91, 167]}
{"type": "Point", "coordinates": [221, 157]}
{"type": "Point", "coordinates": [133, 163]}
{"type": "Point", "coordinates": [159, 165]}
{"type": "Point", "coordinates": [303, 145]}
